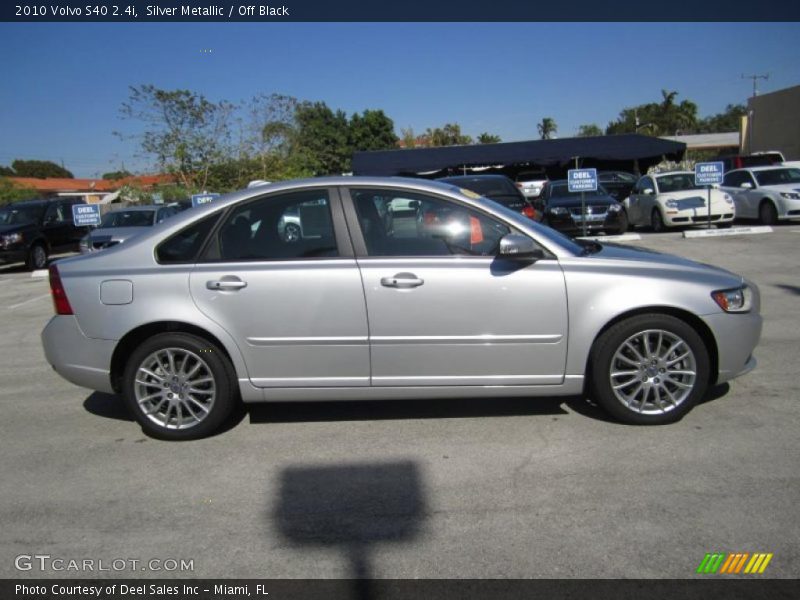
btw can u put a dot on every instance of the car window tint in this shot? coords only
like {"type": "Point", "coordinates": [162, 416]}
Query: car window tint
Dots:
{"type": "Point", "coordinates": [183, 246]}
{"type": "Point", "coordinates": [279, 227]}
{"type": "Point", "coordinates": [426, 226]}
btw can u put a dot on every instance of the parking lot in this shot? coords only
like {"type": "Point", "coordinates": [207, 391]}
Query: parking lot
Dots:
{"type": "Point", "coordinates": [517, 488]}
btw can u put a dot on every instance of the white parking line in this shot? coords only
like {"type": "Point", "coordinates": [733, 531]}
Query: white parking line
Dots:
{"type": "Point", "coordinates": [696, 233]}
{"type": "Point", "coordinates": [29, 301]}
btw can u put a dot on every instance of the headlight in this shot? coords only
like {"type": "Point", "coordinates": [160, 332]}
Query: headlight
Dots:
{"type": "Point", "coordinates": [728, 199]}
{"type": "Point", "coordinates": [739, 300]}
{"type": "Point", "coordinates": [614, 208]}
{"type": "Point", "coordinates": [671, 203]}
{"type": "Point", "coordinates": [11, 238]}
{"type": "Point", "coordinates": [791, 195]}
{"type": "Point", "coordinates": [557, 210]}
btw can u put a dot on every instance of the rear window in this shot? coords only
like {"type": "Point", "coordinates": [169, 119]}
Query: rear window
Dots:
{"type": "Point", "coordinates": [184, 246]}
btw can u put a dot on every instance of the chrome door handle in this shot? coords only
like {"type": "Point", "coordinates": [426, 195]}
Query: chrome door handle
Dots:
{"type": "Point", "coordinates": [402, 280]}
{"type": "Point", "coordinates": [224, 284]}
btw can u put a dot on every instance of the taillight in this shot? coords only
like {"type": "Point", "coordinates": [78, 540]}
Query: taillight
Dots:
{"type": "Point", "coordinates": [60, 302]}
{"type": "Point", "coordinates": [529, 212]}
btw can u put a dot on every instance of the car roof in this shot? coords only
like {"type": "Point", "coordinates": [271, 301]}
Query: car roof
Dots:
{"type": "Point", "coordinates": [33, 202]}
{"type": "Point", "coordinates": [468, 177]}
{"type": "Point", "coordinates": [764, 168]}
{"type": "Point", "coordinates": [137, 208]}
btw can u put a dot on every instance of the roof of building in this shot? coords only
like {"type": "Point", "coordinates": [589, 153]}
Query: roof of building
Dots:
{"type": "Point", "coordinates": [65, 184]}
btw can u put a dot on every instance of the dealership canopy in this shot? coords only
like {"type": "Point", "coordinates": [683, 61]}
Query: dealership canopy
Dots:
{"type": "Point", "coordinates": [629, 152]}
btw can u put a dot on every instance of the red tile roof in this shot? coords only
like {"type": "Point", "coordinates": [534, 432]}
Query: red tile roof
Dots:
{"type": "Point", "coordinates": [64, 184]}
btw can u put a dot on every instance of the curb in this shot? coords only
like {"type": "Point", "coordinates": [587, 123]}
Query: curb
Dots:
{"type": "Point", "coordinates": [697, 233]}
{"type": "Point", "coordinates": [39, 273]}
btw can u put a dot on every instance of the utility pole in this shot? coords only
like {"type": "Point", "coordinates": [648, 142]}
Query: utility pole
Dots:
{"type": "Point", "coordinates": [755, 79]}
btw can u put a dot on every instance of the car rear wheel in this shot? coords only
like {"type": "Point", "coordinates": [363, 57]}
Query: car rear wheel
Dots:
{"type": "Point", "coordinates": [767, 213]}
{"type": "Point", "coordinates": [37, 257]}
{"type": "Point", "coordinates": [657, 221]}
{"type": "Point", "coordinates": [623, 226]}
{"type": "Point", "coordinates": [179, 386]}
{"type": "Point", "coordinates": [649, 369]}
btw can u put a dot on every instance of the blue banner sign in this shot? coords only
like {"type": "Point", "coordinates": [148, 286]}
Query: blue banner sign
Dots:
{"type": "Point", "coordinates": [84, 215]}
{"type": "Point", "coordinates": [710, 173]}
{"type": "Point", "coordinates": [582, 180]}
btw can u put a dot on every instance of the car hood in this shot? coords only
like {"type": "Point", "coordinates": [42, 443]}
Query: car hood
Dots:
{"type": "Point", "coordinates": [657, 259]}
{"type": "Point", "coordinates": [570, 202]}
{"type": "Point", "coordinates": [786, 187]}
{"type": "Point", "coordinates": [116, 233]}
{"type": "Point", "coordinates": [17, 227]}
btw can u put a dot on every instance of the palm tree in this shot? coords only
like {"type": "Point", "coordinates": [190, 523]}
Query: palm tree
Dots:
{"type": "Point", "coordinates": [547, 128]}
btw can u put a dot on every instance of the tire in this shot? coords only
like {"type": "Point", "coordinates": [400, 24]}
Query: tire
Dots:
{"type": "Point", "coordinates": [291, 233]}
{"type": "Point", "coordinates": [623, 227]}
{"type": "Point", "coordinates": [644, 393]}
{"type": "Point", "coordinates": [191, 415]}
{"type": "Point", "coordinates": [767, 213]}
{"type": "Point", "coordinates": [657, 221]}
{"type": "Point", "coordinates": [37, 257]}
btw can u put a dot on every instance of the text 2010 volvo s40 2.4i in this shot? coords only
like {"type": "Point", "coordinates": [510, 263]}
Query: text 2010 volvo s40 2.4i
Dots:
{"type": "Point", "coordinates": [215, 306]}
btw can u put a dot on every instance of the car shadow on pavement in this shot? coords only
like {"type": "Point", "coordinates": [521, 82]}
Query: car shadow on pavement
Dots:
{"type": "Point", "coordinates": [587, 407]}
{"type": "Point", "coordinates": [352, 507]}
{"type": "Point", "coordinates": [378, 410]}
{"type": "Point", "coordinates": [792, 289]}
{"type": "Point", "coordinates": [112, 406]}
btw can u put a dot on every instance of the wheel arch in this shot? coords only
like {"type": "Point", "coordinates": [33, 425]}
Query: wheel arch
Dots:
{"type": "Point", "coordinates": [131, 340]}
{"type": "Point", "coordinates": [687, 317]}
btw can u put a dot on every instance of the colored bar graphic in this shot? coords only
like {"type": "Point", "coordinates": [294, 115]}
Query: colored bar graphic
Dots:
{"type": "Point", "coordinates": [733, 563]}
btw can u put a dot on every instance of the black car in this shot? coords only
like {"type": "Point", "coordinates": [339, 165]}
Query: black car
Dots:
{"type": "Point", "coordinates": [495, 187]}
{"type": "Point", "coordinates": [33, 229]}
{"type": "Point", "coordinates": [562, 210]}
{"type": "Point", "coordinates": [618, 184]}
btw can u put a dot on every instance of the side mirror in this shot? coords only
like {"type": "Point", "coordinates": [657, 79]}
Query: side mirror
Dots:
{"type": "Point", "coordinates": [514, 245]}
{"type": "Point", "coordinates": [746, 185]}
{"type": "Point", "coordinates": [648, 191]}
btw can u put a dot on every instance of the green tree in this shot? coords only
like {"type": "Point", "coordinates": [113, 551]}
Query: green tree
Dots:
{"type": "Point", "coordinates": [39, 169]}
{"type": "Point", "coordinates": [547, 128]}
{"type": "Point", "coordinates": [115, 175]}
{"type": "Point", "coordinates": [11, 191]}
{"type": "Point", "coordinates": [657, 118]}
{"type": "Point", "coordinates": [7, 172]}
{"type": "Point", "coordinates": [449, 135]}
{"type": "Point", "coordinates": [488, 138]}
{"type": "Point", "coordinates": [372, 130]}
{"type": "Point", "coordinates": [590, 130]}
{"type": "Point", "coordinates": [184, 131]}
{"type": "Point", "coordinates": [408, 137]}
{"type": "Point", "coordinates": [322, 140]}
{"type": "Point", "coordinates": [724, 122]}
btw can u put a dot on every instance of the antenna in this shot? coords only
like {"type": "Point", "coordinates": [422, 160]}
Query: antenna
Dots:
{"type": "Point", "coordinates": [755, 79]}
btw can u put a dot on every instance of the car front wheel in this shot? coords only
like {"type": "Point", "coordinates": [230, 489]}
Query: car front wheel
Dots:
{"type": "Point", "coordinates": [179, 386]}
{"type": "Point", "coordinates": [649, 369]}
{"type": "Point", "coordinates": [767, 213]}
{"type": "Point", "coordinates": [37, 258]}
{"type": "Point", "coordinates": [657, 221]}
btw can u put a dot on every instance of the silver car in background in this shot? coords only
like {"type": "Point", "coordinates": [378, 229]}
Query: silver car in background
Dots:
{"type": "Point", "coordinates": [122, 224]}
{"type": "Point", "coordinates": [217, 306]}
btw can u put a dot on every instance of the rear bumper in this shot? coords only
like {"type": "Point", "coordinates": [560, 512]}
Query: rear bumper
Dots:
{"type": "Point", "coordinates": [78, 359]}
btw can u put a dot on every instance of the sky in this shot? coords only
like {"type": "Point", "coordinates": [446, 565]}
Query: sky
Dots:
{"type": "Point", "coordinates": [64, 83]}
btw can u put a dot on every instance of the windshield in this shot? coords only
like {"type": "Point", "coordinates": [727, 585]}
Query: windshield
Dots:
{"type": "Point", "coordinates": [777, 176]}
{"type": "Point", "coordinates": [15, 215]}
{"type": "Point", "coordinates": [128, 218]}
{"type": "Point", "coordinates": [616, 176]}
{"type": "Point", "coordinates": [677, 182]}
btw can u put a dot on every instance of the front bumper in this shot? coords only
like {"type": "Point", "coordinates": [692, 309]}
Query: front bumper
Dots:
{"type": "Point", "coordinates": [570, 224]}
{"type": "Point", "coordinates": [736, 335]}
{"type": "Point", "coordinates": [14, 255]}
{"type": "Point", "coordinates": [78, 359]}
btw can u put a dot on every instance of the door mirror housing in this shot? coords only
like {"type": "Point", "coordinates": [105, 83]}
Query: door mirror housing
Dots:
{"type": "Point", "coordinates": [746, 185]}
{"type": "Point", "coordinates": [516, 246]}
{"type": "Point", "coordinates": [648, 191]}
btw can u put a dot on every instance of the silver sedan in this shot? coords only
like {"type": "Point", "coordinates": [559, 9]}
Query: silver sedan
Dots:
{"type": "Point", "coordinates": [466, 299]}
